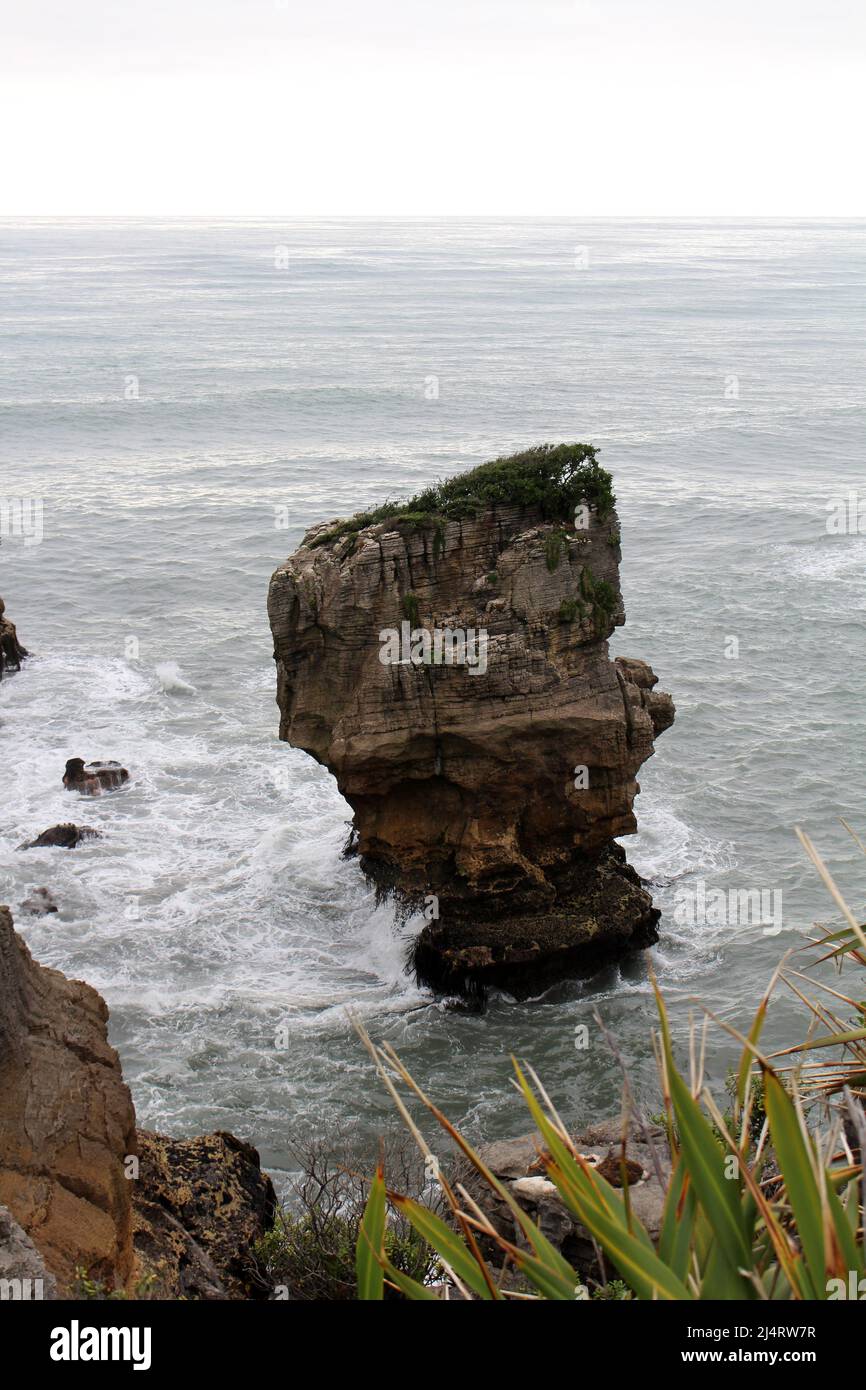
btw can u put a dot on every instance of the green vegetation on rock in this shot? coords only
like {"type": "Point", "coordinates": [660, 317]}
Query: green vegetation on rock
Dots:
{"type": "Point", "coordinates": [554, 546]}
{"type": "Point", "coordinates": [600, 595]}
{"type": "Point", "coordinates": [555, 478]}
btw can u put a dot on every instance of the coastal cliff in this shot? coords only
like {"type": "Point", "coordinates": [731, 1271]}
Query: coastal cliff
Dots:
{"type": "Point", "coordinates": [447, 660]}
{"type": "Point", "coordinates": [99, 1200]}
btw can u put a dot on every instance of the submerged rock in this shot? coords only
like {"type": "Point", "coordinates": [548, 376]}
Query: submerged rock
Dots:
{"type": "Point", "coordinates": [66, 836]}
{"type": "Point", "coordinates": [40, 903]}
{"type": "Point", "coordinates": [448, 662]}
{"type": "Point", "coordinates": [93, 779]}
{"type": "Point", "coordinates": [11, 651]}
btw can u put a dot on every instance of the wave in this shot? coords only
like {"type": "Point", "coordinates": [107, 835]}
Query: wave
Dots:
{"type": "Point", "coordinates": [172, 682]}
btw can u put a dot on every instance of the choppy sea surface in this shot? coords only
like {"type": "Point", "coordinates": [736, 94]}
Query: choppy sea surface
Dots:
{"type": "Point", "coordinates": [184, 398]}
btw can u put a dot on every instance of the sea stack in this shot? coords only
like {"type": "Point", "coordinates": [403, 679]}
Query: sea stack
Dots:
{"type": "Point", "coordinates": [448, 661]}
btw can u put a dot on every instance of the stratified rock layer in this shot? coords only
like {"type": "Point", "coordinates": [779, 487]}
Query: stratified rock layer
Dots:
{"type": "Point", "coordinates": [499, 793]}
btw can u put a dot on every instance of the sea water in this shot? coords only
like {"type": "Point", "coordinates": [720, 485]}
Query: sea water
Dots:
{"type": "Point", "coordinates": [183, 399]}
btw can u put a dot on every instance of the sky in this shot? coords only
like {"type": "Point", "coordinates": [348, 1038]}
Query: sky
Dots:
{"type": "Point", "coordinates": [586, 108]}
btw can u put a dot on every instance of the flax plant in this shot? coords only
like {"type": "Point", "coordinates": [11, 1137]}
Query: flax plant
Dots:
{"type": "Point", "coordinates": [759, 1204]}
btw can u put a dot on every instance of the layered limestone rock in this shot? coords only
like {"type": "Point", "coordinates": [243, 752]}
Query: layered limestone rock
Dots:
{"type": "Point", "coordinates": [489, 774]}
{"type": "Point", "coordinates": [134, 1211]}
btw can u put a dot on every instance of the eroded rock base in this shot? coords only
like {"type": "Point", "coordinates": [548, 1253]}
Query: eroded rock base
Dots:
{"type": "Point", "coordinates": [601, 911]}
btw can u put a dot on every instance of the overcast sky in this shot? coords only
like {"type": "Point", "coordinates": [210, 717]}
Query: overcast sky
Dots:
{"type": "Point", "coordinates": [526, 107]}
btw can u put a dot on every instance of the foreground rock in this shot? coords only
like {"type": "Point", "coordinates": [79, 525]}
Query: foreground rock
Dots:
{"type": "Point", "coordinates": [135, 1212]}
{"type": "Point", "coordinates": [11, 651]}
{"type": "Point", "coordinates": [92, 779]}
{"type": "Point", "coordinates": [199, 1207]}
{"type": "Point", "coordinates": [66, 1119]}
{"type": "Point", "coordinates": [489, 775]}
{"type": "Point", "coordinates": [23, 1274]}
{"type": "Point", "coordinates": [517, 1164]}
{"type": "Point", "coordinates": [66, 836]}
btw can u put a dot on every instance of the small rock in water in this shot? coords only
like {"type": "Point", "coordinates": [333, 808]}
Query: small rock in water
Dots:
{"type": "Point", "coordinates": [11, 651]}
{"type": "Point", "coordinates": [94, 778]}
{"type": "Point", "coordinates": [65, 836]}
{"type": "Point", "coordinates": [40, 903]}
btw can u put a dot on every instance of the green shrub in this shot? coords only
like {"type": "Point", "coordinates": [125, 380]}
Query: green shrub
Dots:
{"type": "Point", "coordinates": [555, 478]}
{"type": "Point", "coordinates": [600, 595]}
{"type": "Point", "coordinates": [554, 546]}
{"type": "Point", "coordinates": [310, 1253]}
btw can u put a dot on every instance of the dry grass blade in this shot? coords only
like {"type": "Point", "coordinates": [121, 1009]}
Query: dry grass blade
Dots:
{"type": "Point", "coordinates": [831, 886]}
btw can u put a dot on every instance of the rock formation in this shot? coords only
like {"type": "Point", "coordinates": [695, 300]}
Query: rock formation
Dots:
{"type": "Point", "coordinates": [135, 1211]}
{"type": "Point", "coordinates": [66, 1119]}
{"type": "Point", "coordinates": [198, 1208]}
{"type": "Point", "coordinates": [40, 903]}
{"type": "Point", "coordinates": [23, 1272]}
{"type": "Point", "coordinates": [93, 779]}
{"type": "Point", "coordinates": [66, 836]}
{"type": "Point", "coordinates": [448, 662]}
{"type": "Point", "coordinates": [11, 651]}
{"type": "Point", "coordinates": [516, 1163]}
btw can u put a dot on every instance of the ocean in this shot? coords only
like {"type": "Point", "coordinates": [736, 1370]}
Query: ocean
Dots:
{"type": "Point", "coordinates": [180, 400]}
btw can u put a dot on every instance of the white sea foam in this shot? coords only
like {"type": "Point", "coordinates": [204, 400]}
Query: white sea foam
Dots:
{"type": "Point", "coordinates": [172, 682]}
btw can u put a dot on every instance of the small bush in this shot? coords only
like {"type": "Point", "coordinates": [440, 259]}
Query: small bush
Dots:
{"type": "Point", "coordinates": [554, 546]}
{"type": "Point", "coordinates": [600, 595]}
{"type": "Point", "coordinates": [310, 1251]}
